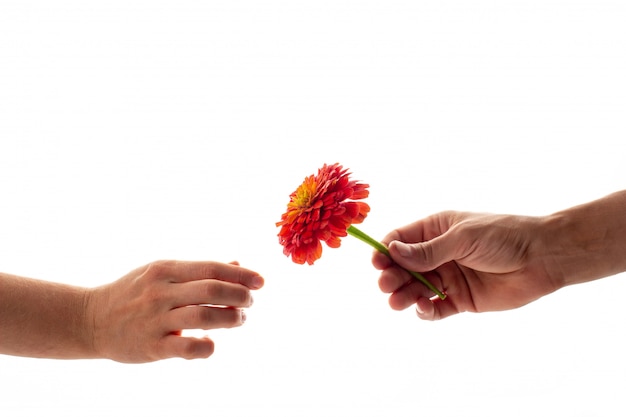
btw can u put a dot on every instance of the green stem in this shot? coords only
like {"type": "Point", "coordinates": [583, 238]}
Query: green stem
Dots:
{"type": "Point", "coordinates": [383, 249]}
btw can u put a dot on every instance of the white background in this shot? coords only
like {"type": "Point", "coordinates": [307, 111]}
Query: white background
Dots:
{"type": "Point", "coordinates": [132, 131]}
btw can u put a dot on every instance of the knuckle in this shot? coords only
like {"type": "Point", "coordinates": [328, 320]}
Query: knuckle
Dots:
{"type": "Point", "coordinates": [244, 297]}
{"type": "Point", "coordinates": [158, 269]}
{"type": "Point", "coordinates": [424, 251]}
{"type": "Point", "coordinates": [226, 293]}
{"type": "Point", "coordinates": [209, 271]}
{"type": "Point", "coordinates": [395, 234]}
{"type": "Point", "coordinates": [201, 317]}
{"type": "Point", "coordinates": [213, 290]}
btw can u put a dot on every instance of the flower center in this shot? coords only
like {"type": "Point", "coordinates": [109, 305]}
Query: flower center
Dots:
{"type": "Point", "coordinates": [305, 193]}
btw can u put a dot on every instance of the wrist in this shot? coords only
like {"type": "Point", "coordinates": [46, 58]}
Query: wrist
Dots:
{"type": "Point", "coordinates": [561, 253]}
{"type": "Point", "coordinates": [586, 242]}
{"type": "Point", "coordinates": [93, 320]}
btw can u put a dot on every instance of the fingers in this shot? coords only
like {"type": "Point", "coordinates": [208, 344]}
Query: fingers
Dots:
{"type": "Point", "coordinates": [205, 318]}
{"type": "Point", "coordinates": [434, 309]}
{"type": "Point", "coordinates": [425, 229]}
{"type": "Point", "coordinates": [429, 240]}
{"type": "Point", "coordinates": [418, 231]}
{"type": "Point", "coordinates": [426, 308]}
{"type": "Point", "coordinates": [175, 346]}
{"type": "Point", "coordinates": [204, 283]}
{"type": "Point", "coordinates": [196, 317]}
{"type": "Point", "coordinates": [199, 295]}
{"type": "Point", "coordinates": [210, 292]}
{"type": "Point", "coordinates": [381, 261]}
{"type": "Point", "coordinates": [425, 256]}
{"type": "Point", "coordinates": [186, 271]}
{"type": "Point", "coordinates": [393, 278]}
{"type": "Point", "coordinates": [405, 291]}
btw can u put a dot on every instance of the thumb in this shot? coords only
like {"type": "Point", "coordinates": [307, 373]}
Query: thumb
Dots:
{"type": "Point", "coordinates": [422, 256]}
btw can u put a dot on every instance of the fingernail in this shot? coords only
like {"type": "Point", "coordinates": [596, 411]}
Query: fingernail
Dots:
{"type": "Point", "coordinates": [418, 309]}
{"type": "Point", "coordinates": [257, 282]}
{"type": "Point", "coordinates": [251, 301]}
{"type": "Point", "coordinates": [243, 316]}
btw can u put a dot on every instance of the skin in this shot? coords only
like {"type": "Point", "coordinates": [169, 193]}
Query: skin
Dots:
{"type": "Point", "coordinates": [138, 318]}
{"type": "Point", "coordinates": [492, 262]}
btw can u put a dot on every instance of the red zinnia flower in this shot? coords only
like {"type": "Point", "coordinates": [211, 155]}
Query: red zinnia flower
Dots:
{"type": "Point", "coordinates": [321, 209]}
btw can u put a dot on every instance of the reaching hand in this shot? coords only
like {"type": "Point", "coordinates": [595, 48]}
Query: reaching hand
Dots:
{"type": "Point", "coordinates": [139, 318]}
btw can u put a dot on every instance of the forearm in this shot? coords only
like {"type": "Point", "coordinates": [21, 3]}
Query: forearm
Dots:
{"type": "Point", "coordinates": [43, 319]}
{"type": "Point", "coordinates": [588, 241]}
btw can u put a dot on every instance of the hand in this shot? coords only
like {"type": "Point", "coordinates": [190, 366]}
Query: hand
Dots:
{"type": "Point", "coordinates": [140, 317]}
{"type": "Point", "coordinates": [483, 262]}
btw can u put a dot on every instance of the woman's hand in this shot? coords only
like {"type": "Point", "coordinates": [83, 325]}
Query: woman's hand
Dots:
{"type": "Point", "coordinates": [140, 317]}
